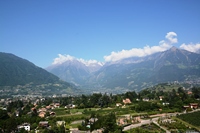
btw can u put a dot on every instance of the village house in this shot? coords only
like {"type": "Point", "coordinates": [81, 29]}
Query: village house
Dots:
{"type": "Point", "coordinates": [59, 123]}
{"type": "Point", "coordinates": [42, 110]}
{"type": "Point", "coordinates": [137, 99]}
{"type": "Point", "coordinates": [70, 106]}
{"type": "Point", "coordinates": [193, 105]}
{"type": "Point", "coordinates": [118, 104]}
{"type": "Point", "coordinates": [93, 120]}
{"type": "Point", "coordinates": [136, 119]}
{"type": "Point", "coordinates": [161, 98]}
{"type": "Point", "coordinates": [43, 123]}
{"type": "Point", "coordinates": [56, 105]}
{"type": "Point", "coordinates": [145, 99]}
{"type": "Point", "coordinates": [54, 96]}
{"type": "Point", "coordinates": [127, 120]}
{"type": "Point", "coordinates": [52, 113]}
{"type": "Point", "coordinates": [17, 113]}
{"type": "Point", "coordinates": [51, 106]}
{"type": "Point", "coordinates": [189, 92]}
{"type": "Point", "coordinates": [48, 107]}
{"type": "Point", "coordinates": [33, 109]}
{"type": "Point", "coordinates": [126, 101]}
{"type": "Point", "coordinates": [186, 107]}
{"type": "Point", "coordinates": [42, 114]}
{"type": "Point", "coordinates": [122, 121]}
{"type": "Point", "coordinates": [74, 130]}
{"type": "Point", "coordinates": [98, 131]}
{"type": "Point", "coordinates": [165, 103]}
{"type": "Point", "coordinates": [26, 126]}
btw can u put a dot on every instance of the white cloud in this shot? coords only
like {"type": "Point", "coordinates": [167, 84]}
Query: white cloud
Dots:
{"type": "Point", "coordinates": [191, 47]}
{"type": "Point", "coordinates": [147, 50]}
{"type": "Point", "coordinates": [63, 58]}
{"type": "Point", "coordinates": [89, 62]}
{"type": "Point", "coordinates": [171, 37]}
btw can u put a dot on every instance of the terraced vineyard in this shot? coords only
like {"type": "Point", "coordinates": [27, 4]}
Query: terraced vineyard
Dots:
{"type": "Point", "coordinates": [149, 128]}
{"type": "Point", "coordinates": [192, 118]}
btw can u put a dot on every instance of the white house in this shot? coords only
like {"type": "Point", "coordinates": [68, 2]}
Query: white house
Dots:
{"type": "Point", "coordinates": [59, 123]}
{"type": "Point", "coordinates": [26, 126]}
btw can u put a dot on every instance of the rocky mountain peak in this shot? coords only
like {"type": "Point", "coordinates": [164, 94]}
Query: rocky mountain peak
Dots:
{"type": "Point", "coordinates": [173, 49]}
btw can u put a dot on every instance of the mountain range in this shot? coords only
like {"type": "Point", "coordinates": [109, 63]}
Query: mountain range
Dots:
{"type": "Point", "coordinates": [20, 74]}
{"type": "Point", "coordinates": [133, 73]}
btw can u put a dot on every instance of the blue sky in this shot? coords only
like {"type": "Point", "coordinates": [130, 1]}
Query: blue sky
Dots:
{"type": "Point", "coordinates": [102, 30]}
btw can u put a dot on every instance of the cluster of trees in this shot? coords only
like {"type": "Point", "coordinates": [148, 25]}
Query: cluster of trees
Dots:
{"type": "Point", "coordinates": [90, 101]}
{"type": "Point", "coordinates": [105, 122]}
{"type": "Point", "coordinates": [176, 99]}
{"type": "Point", "coordinates": [16, 114]}
{"type": "Point", "coordinates": [9, 124]}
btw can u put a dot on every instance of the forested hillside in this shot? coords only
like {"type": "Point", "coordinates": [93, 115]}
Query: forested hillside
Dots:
{"type": "Point", "coordinates": [18, 71]}
{"type": "Point", "coordinates": [21, 77]}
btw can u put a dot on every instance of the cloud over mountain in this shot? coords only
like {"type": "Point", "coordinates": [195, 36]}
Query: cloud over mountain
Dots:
{"type": "Point", "coordinates": [191, 47]}
{"type": "Point", "coordinates": [63, 58]}
{"type": "Point", "coordinates": [170, 38]}
{"type": "Point", "coordinates": [168, 42]}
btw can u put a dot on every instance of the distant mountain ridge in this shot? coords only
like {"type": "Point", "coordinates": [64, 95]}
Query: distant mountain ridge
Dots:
{"type": "Point", "coordinates": [74, 70]}
{"type": "Point", "coordinates": [168, 66]}
{"type": "Point", "coordinates": [134, 73]}
{"type": "Point", "coordinates": [16, 72]}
